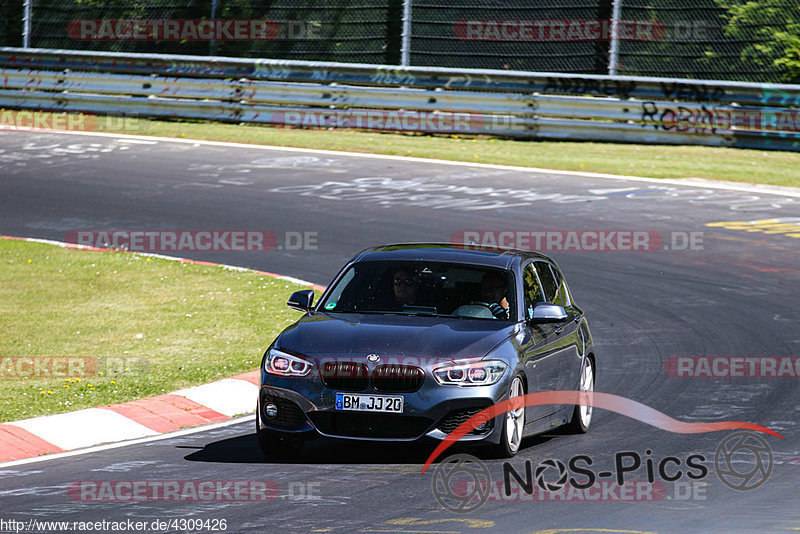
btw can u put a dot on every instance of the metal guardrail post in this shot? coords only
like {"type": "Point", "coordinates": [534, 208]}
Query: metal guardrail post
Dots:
{"type": "Point", "coordinates": [405, 47]}
{"type": "Point", "coordinates": [613, 52]}
{"type": "Point", "coordinates": [27, 20]}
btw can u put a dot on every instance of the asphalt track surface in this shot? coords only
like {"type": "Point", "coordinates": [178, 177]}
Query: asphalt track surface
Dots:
{"type": "Point", "coordinates": [735, 297]}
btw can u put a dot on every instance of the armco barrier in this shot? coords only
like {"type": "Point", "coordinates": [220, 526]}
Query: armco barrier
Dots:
{"type": "Point", "coordinates": [453, 101]}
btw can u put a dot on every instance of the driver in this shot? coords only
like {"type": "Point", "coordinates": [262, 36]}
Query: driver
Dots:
{"type": "Point", "coordinates": [493, 294]}
{"type": "Point", "coordinates": [405, 287]}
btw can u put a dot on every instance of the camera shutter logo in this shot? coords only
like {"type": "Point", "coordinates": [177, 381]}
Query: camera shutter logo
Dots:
{"type": "Point", "coordinates": [455, 469]}
{"type": "Point", "coordinates": [548, 485]}
{"type": "Point", "coordinates": [743, 461]}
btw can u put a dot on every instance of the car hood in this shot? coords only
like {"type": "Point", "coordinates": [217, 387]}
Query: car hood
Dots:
{"type": "Point", "coordinates": [322, 334]}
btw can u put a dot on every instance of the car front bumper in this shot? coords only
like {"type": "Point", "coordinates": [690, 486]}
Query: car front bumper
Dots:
{"type": "Point", "coordinates": [306, 408]}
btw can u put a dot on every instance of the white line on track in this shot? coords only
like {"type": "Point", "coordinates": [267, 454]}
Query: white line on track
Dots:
{"type": "Point", "coordinates": [138, 141]}
{"type": "Point", "coordinates": [684, 182]}
{"type": "Point", "coordinates": [171, 258]}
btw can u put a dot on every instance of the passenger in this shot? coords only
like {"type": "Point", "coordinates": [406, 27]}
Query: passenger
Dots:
{"type": "Point", "coordinates": [493, 294]}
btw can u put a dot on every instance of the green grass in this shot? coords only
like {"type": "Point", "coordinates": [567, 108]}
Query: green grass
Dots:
{"type": "Point", "coordinates": [154, 325]}
{"type": "Point", "coordinates": [654, 161]}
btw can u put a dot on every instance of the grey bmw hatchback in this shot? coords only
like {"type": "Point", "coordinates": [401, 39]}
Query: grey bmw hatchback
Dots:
{"type": "Point", "coordinates": [411, 340]}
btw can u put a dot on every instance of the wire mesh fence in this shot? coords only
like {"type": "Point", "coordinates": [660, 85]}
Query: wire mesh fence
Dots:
{"type": "Point", "coordinates": [78, 24]}
{"type": "Point", "coordinates": [521, 35]}
{"type": "Point", "coordinates": [339, 30]}
{"type": "Point", "coordinates": [748, 40]}
{"type": "Point", "coordinates": [10, 23]}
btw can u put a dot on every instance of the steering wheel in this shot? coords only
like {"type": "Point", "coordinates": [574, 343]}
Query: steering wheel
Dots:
{"type": "Point", "coordinates": [480, 310]}
{"type": "Point", "coordinates": [493, 308]}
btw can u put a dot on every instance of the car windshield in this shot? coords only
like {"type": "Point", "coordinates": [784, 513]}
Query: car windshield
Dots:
{"type": "Point", "coordinates": [424, 288]}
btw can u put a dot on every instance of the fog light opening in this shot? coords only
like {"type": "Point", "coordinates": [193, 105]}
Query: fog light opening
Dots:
{"type": "Point", "coordinates": [271, 411]}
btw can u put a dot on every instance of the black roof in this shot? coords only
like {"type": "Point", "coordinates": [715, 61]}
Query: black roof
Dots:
{"type": "Point", "coordinates": [447, 252]}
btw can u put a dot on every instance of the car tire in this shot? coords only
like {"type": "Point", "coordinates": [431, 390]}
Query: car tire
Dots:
{"type": "Point", "coordinates": [582, 415]}
{"type": "Point", "coordinates": [513, 424]}
{"type": "Point", "coordinates": [275, 444]}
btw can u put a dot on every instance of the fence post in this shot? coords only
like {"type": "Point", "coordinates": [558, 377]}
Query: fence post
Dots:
{"type": "Point", "coordinates": [613, 53]}
{"type": "Point", "coordinates": [405, 47]}
{"type": "Point", "coordinates": [212, 46]}
{"type": "Point", "coordinates": [27, 12]}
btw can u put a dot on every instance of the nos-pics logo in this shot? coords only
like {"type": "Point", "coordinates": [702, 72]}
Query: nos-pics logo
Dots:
{"type": "Point", "coordinates": [743, 461]}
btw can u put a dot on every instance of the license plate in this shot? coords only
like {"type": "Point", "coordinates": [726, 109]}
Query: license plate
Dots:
{"type": "Point", "coordinates": [369, 403]}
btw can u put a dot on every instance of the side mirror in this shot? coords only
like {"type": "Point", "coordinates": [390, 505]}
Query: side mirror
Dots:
{"type": "Point", "coordinates": [301, 300]}
{"type": "Point", "coordinates": [545, 312]}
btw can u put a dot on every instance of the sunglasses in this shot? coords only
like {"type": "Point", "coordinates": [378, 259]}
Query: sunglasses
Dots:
{"type": "Point", "coordinates": [408, 282]}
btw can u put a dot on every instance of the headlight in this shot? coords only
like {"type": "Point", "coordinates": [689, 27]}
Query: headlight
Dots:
{"type": "Point", "coordinates": [280, 363]}
{"type": "Point", "coordinates": [479, 373]}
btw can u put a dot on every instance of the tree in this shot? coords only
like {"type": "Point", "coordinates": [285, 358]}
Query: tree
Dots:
{"type": "Point", "coordinates": [771, 31]}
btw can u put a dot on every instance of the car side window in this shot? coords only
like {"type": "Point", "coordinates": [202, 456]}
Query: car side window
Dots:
{"type": "Point", "coordinates": [562, 294]}
{"type": "Point", "coordinates": [548, 282]}
{"type": "Point", "coordinates": [531, 289]}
